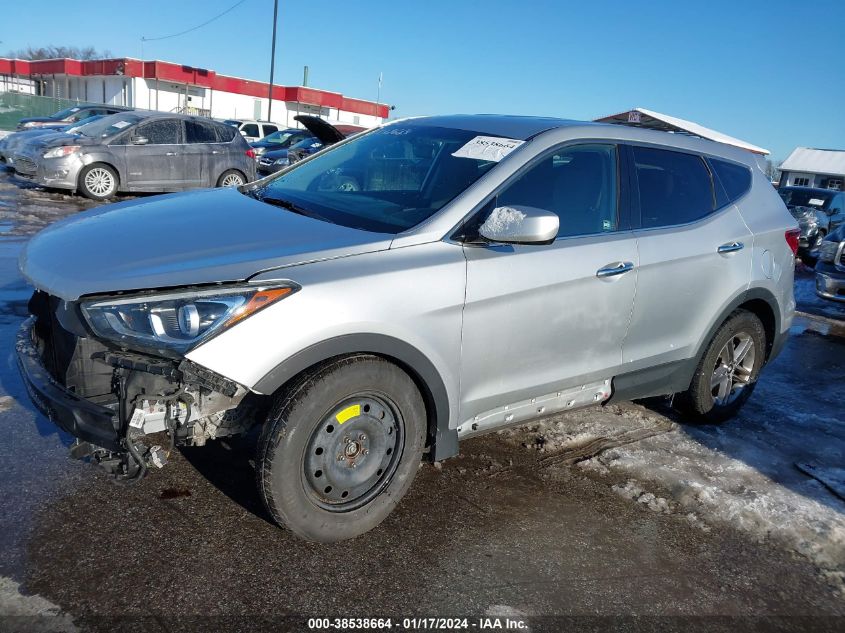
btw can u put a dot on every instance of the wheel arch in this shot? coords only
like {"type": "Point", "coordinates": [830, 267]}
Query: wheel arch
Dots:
{"type": "Point", "coordinates": [441, 440]}
{"type": "Point", "coordinates": [676, 376]}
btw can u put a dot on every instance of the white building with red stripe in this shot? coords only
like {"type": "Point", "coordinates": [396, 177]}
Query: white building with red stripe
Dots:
{"type": "Point", "coordinates": [169, 87]}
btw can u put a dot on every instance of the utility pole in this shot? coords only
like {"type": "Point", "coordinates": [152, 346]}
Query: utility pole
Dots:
{"type": "Point", "coordinates": [272, 61]}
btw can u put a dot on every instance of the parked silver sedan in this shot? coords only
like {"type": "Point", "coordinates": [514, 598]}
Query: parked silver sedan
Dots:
{"type": "Point", "coordinates": [133, 151]}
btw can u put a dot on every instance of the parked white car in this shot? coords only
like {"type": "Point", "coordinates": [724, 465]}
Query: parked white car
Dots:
{"type": "Point", "coordinates": [253, 130]}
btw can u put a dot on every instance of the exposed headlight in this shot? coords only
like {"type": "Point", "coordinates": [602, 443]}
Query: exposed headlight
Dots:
{"type": "Point", "coordinates": [281, 161]}
{"type": "Point", "coordinates": [64, 150]}
{"type": "Point", "coordinates": [30, 124]}
{"type": "Point", "coordinates": [172, 323]}
{"type": "Point", "coordinates": [827, 250]}
{"type": "Point", "coordinates": [259, 150]}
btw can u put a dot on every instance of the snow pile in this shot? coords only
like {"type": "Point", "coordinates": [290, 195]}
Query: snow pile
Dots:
{"type": "Point", "coordinates": [500, 220]}
{"type": "Point", "coordinates": [742, 474]}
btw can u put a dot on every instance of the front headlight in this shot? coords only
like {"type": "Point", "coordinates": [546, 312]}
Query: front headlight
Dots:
{"type": "Point", "coordinates": [30, 124]}
{"type": "Point", "coordinates": [59, 152]}
{"type": "Point", "coordinates": [281, 161]}
{"type": "Point", "coordinates": [170, 324]}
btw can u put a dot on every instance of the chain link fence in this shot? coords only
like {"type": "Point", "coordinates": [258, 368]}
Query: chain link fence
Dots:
{"type": "Point", "coordinates": [16, 105]}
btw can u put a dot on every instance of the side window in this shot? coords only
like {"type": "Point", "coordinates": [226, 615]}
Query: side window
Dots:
{"type": "Point", "coordinates": [199, 132]}
{"type": "Point", "coordinates": [675, 188]}
{"type": "Point", "coordinates": [269, 129]}
{"type": "Point", "coordinates": [250, 129]}
{"type": "Point", "coordinates": [578, 183]}
{"type": "Point", "coordinates": [736, 179]}
{"type": "Point", "coordinates": [161, 132]}
{"type": "Point", "coordinates": [226, 133]}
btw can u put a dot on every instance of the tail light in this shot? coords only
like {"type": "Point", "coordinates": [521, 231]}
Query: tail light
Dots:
{"type": "Point", "coordinates": [792, 236]}
{"type": "Point", "coordinates": [250, 152]}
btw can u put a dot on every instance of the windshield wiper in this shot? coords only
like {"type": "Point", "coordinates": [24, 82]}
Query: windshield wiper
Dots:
{"type": "Point", "coordinates": [294, 208]}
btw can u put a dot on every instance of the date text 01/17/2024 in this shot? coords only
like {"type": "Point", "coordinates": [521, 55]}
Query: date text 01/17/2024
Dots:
{"type": "Point", "coordinates": [418, 624]}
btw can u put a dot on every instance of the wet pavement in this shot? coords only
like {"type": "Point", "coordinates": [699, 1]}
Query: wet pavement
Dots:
{"type": "Point", "coordinates": [191, 546]}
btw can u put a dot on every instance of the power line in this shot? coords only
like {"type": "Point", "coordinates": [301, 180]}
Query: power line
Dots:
{"type": "Point", "coordinates": [199, 26]}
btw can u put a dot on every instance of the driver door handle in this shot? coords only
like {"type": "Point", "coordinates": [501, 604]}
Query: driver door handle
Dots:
{"type": "Point", "coordinates": [731, 247]}
{"type": "Point", "coordinates": [170, 154]}
{"type": "Point", "coordinates": [617, 268]}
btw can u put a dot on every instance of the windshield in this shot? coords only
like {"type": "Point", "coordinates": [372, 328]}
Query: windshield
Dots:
{"type": "Point", "coordinates": [282, 137]}
{"type": "Point", "coordinates": [804, 198]}
{"type": "Point", "coordinates": [109, 126]}
{"type": "Point", "coordinates": [63, 114]}
{"type": "Point", "coordinates": [387, 181]}
{"type": "Point", "coordinates": [75, 128]}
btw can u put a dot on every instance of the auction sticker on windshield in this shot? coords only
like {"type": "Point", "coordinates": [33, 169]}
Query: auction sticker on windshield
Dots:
{"type": "Point", "coordinates": [491, 148]}
{"type": "Point", "coordinates": [121, 124]}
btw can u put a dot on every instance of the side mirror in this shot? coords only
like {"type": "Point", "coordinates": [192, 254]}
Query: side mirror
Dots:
{"type": "Point", "coordinates": [140, 140]}
{"type": "Point", "coordinates": [520, 224]}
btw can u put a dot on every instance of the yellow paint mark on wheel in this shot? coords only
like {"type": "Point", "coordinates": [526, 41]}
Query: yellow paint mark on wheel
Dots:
{"type": "Point", "coordinates": [352, 411]}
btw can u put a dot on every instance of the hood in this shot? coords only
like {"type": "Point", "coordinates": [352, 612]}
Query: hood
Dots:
{"type": "Point", "coordinates": [18, 139]}
{"type": "Point", "coordinates": [804, 214]}
{"type": "Point", "coordinates": [201, 237]}
{"type": "Point", "coordinates": [275, 154]}
{"type": "Point", "coordinates": [39, 143]}
{"type": "Point", "coordinates": [325, 132]}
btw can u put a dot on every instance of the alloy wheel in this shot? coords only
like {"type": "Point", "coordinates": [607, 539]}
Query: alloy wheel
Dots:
{"type": "Point", "coordinates": [99, 181]}
{"type": "Point", "coordinates": [232, 180]}
{"type": "Point", "coordinates": [734, 367]}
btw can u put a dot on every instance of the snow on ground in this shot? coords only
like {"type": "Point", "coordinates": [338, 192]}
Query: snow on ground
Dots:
{"type": "Point", "coordinates": [745, 473]}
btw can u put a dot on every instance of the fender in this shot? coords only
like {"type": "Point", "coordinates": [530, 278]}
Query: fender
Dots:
{"type": "Point", "coordinates": [442, 440]}
{"type": "Point", "coordinates": [676, 376]}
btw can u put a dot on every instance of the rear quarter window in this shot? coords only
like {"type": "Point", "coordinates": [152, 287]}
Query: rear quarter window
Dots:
{"type": "Point", "coordinates": [674, 187]}
{"type": "Point", "coordinates": [226, 133]}
{"type": "Point", "coordinates": [735, 179]}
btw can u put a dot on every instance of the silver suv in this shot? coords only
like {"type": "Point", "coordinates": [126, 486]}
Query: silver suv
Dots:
{"type": "Point", "coordinates": [410, 287]}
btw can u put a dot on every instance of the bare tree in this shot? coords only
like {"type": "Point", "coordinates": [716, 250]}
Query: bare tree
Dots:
{"type": "Point", "coordinates": [58, 52]}
{"type": "Point", "coordinates": [773, 170]}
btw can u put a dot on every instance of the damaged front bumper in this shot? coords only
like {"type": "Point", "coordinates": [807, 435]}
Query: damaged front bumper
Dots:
{"type": "Point", "coordinates": [81, 418]}
{"type": "Point", "coordinates": [108, 399]}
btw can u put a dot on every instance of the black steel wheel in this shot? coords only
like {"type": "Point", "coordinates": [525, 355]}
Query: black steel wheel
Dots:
{"type": "Point", "coordinates": [341, 447]}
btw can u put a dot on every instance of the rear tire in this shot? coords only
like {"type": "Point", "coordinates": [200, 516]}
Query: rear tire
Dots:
{"type": "Point", "coordinates": [340, 448]}
{"type": "Point", "coordinates": [231, 178]}
{"type": "Point", "coordinates": [98, 181]}
{"type": "Point", "coordinates": [728, 371]}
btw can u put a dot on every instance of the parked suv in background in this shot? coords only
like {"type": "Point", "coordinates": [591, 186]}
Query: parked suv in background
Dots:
{"type": "Point", "coordinates": [68, 116]}
{"type": "Point", "coordinates": [818, 211]}
{"type": "Point", "coordinates": [409, 287]}
{"type": "Point", "coordinates": [134, 151]}
{"type": "Point", "coordinates": [252, 130]}
{"type": "Point", "coordinates": [830, 267]}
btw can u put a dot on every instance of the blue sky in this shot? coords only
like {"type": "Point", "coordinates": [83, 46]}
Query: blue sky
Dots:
{"type": "Point", "coordinates": [769, 72]}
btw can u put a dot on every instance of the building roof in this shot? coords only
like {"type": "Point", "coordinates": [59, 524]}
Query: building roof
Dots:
{"type": "Point", "coordinates": [815, 161]}
{"type": "Point", "coordinates": [181, 74]}
{"type": "Point", "coordinates": [640, 117]}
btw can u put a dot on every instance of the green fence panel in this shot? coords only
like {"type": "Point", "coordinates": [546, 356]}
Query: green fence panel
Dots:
{"type": "Point", "coordinates": [16, 105]}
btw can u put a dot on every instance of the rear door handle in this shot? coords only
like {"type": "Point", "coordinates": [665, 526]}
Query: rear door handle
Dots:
{"type": "Point", "coordinates": [731, 247]}
{"type": "Point", "coordinates": [215, 152]}
{"type": "Point", "coordinates": [614, 269]}
{"type": "Point", "coordinates": [170, 154]}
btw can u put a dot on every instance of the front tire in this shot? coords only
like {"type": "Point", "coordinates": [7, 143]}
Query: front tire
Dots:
{"type": "Point", "coordinates": [728, 371]}
{"type": "Point", "coordinates": [98, 181]}
{"type": "Point", "coordinates": [340, 448]}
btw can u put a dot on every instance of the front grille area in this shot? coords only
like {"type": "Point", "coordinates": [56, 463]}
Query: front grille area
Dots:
{"type": "Point", "coordinates": [24, 165]}
{"type": "Point", "coordinates": [67, 356]}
